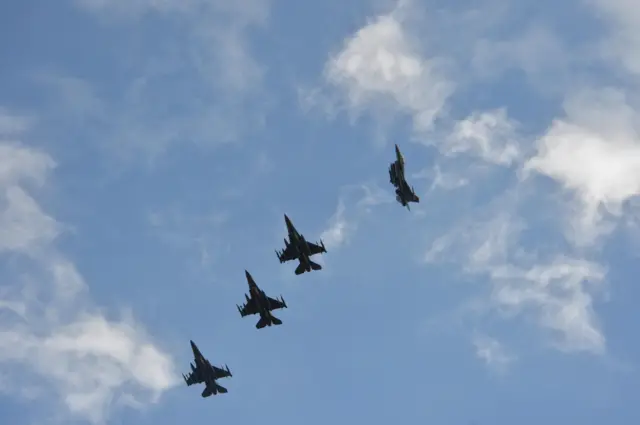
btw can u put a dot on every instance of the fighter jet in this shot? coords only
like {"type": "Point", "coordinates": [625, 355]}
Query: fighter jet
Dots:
{"type": "Point", "coordinates": [204, 372]}
{"type": "Point", "coordinates": [259, 303]}
{"type": "Point", "coordinates": [404, 193]}
{"type": "Point", "coordinates": [297, 248]}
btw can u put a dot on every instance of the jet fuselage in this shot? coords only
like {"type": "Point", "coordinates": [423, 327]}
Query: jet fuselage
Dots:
{"type": "Point", "coordinates": [261, 300]}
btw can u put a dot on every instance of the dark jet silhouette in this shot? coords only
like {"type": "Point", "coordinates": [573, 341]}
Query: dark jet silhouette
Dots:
{"type": "Point", "coordinates": [404, 193]}
{"type": "Point", "coordinates": [259, 303]}
{"type": "Point", "coordinates": [297, 248]}
{"type": "Point", "coordinates": [204, 373]}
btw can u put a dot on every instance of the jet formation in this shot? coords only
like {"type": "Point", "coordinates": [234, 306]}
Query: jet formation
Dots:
{"type": "Point", "coordinates": [258, 302]}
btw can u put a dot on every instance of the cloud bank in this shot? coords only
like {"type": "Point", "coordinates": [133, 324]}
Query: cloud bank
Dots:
{"type": "Point", "coordinates": [54, 342]}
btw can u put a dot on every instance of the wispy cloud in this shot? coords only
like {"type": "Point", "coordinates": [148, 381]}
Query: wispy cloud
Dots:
{"type": "Point", "coordinates": [622, 44]}
{"type": "Point", "coordinates": [12, 124]}
{"type": "Point", "coordinates": [48, 324]}
{"type": "Point", "coordinates": [492, 353]}
{"type": "Point", "coordinates": [354, 203]}
{"type": "Point", "coordinates": [491, 135]}
{"type": "Point", "coordinates": [536, 51]}
{"type": "Point", "coordinates": [558, 290]}
{"type": "Point", "coordinates": [196, 235]}
{"type": "Point", "coordinates": [203, 87]}
{"type": "Point", "coordinates": [338, 230]}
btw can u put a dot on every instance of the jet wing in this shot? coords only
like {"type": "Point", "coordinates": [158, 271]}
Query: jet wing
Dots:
{"type": "Point", "coordinates": [192, 379]}
{"type": "Point", "coordinates": [316, 249]}
{"type": "Point", "coordinates": [276, 304]}
{"type": "Point", "coordinates": [251, 307]}
{"type": "Point", "coordinates": [220, 373]}
{"type": "Point", "coordinates": [287, 254]}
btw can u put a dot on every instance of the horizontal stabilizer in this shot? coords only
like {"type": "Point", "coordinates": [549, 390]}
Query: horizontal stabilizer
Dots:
{"type": "Point", "coordinates": [300, 269]}
{"type": "Point", "coordinates": [262, 323]}
{"type": "Point", "coordinates": [276, 321]}
{"type": "Point", "coordinates": [315, 266]}
{"type": "Point", "coordinates": [207, 392]}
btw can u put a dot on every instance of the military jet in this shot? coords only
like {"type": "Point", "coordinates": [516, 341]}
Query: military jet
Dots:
{"type": "Point", "coordinates": [299, 249]}
{"type": "Point", "coordinates": [404, 193]}
{"type": "Point", "coordinates": [259, 303]}
{"type": "Point", "coordinates": [204, 372]}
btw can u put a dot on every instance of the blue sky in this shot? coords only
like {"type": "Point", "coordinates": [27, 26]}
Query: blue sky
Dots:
{"type": "Point", "coordinates": [148, 152]}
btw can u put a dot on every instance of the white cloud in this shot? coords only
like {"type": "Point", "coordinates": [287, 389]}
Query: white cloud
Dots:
{"type": "Point", "coordinates": [492, 353]}
{"type": "Point", "coordinates": [490, 135]}
{"type": "Point", "coordinates": [381, 68]}
{"type": "Point", "coordinates": [594, 153]}
{"type": "Point", "coordinates": [48, 325]}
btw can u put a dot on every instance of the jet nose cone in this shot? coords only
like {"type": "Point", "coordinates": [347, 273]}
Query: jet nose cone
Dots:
{"type": "Point", "coordinates": [246, 273]}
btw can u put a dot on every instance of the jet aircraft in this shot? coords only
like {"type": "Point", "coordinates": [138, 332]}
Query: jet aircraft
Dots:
{"type": "Point", "coordinates": [205, 373]}
{"type": "Point", "coordinates": [259, 303]}
{"type": "Point", "coordinates": [404, 193]}
{"type": "Point", "coordinates": [297, 248]}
